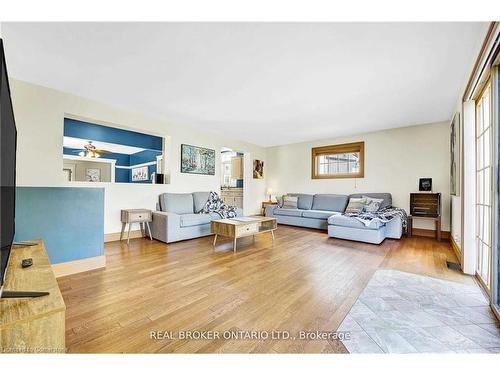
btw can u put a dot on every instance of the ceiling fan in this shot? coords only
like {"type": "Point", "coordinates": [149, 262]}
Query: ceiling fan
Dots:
{"type": "Point", "coordinates": [91, 151]}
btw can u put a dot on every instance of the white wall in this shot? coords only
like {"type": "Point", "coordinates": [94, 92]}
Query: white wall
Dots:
{"type": "Point", "coordinates": [40, 112]}
{"type": "Point", "coordinates": [394, 161]}
{"type": "Point", "coordinates": [459, 203]}
{"type": "Point", "coordinates": [456, 220]}
{"type": "Point", "coordinates": [456, 200]}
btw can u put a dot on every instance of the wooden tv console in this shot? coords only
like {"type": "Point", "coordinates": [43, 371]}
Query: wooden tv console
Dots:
{"type": "Point", "coordinates": [32, 325]}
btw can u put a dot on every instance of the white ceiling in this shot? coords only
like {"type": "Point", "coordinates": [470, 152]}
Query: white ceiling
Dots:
{"type": "Point", "coordinates": [79, 143]}
{"type": "Point", "coordinates": [265, 83]}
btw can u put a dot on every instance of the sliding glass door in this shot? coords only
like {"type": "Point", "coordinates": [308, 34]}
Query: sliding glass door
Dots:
{"type": "Point", "coordinates": [495, 263]}
{"type": "Point", "coordinates": [484, 186]}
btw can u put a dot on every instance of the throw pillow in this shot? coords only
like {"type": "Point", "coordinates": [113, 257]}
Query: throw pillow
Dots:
{"type": "Point", "coordinates": [279, 200]}
{"type": "Point", "coordinates": [289, 201]}
{"type": "Point", "coordinates": [372, 204]}
{"type": "Point", "coordinates": [355, 205]}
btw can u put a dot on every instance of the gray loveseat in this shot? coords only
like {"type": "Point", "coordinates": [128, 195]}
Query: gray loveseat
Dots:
{"type": "Point", "coordinates": [324, 211]}
{"type": "Point", "coordinates": [176, 217]}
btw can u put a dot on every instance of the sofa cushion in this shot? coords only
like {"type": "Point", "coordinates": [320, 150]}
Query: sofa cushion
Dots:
{"type": "Point", "coordinates": [216, 216]}
{"type": "Point", "coordinates": [288, 212]}
{"type": "Point", "coordinates": [317, 214]}
{"type": "Point", "coordinates": [305, 201]}
{"type": "Point", "coordinates": [330, 202]}
{"type": "Point", "coordinates": [199, 200]}
{"type": "Point", "coordinates": [352, 222]}
{"type": "Point", "coordinates": [190, 220]}
{"type": "Point", "coordinates": [177, 203]}
{"type": "Point", "coordinates": [387, 198]}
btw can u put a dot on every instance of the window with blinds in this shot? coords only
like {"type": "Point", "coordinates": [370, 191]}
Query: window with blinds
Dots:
{"type": "Point", "coordinates": [338, 161]}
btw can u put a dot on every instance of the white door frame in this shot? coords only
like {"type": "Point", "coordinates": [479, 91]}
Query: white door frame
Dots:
{"type": "Point", "coordinates": [469, 188]}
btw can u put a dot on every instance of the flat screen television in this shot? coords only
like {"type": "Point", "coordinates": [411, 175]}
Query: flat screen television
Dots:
{"type": "Point", "coordinates": [8, 143]}
{"type": "Point", "coordinates": [8, 139]}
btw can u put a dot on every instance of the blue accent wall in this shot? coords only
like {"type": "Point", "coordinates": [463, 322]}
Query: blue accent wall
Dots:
{"type": "Point", "coordinates": [69, 220]}
{"type": "Point", "coordinates": [122, 175]}
{"type": "Point", "coordinates": [145, 156]}
{"type": "Point", "coordinates": [87, 130]}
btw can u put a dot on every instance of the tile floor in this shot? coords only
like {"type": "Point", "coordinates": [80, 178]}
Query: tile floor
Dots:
{"type": "Point", "coordinates": [400, 312]}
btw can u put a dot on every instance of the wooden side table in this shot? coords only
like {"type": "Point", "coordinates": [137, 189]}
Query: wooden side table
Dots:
{"type": "Point", "coordinates": [265, 204]}
{"type": "Point", "coordinates": [136, 215]}
{"type": "Point", "coordinates": [436, 219]}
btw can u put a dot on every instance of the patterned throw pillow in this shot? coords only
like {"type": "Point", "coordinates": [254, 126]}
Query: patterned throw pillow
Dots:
{"type": "Point", "coordinates": [355, 205]}
{"type": "Point", "coordinates": [289, 201]}
{"type": "Point", "coordinates": [372, 204]}
{"type": "Point", "coordinates": [216, 204]}
{"type": "Point", "coordinates": [279, 200]}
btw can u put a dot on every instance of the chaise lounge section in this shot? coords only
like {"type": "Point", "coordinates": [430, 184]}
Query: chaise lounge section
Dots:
{"type": "Point", "coordinates": [324, 211]}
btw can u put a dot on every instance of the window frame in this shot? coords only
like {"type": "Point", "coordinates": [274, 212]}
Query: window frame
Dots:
{"type": "Point", "coordinates": [338, 149]}
{"type": "Point", "coordinates": [485, 277]}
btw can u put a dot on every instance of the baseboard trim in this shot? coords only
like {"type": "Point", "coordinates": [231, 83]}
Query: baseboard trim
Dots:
{"type": "Point", "coordinates": [80, 265]}
{"type": "Point", "coordinates": [110, 237]}
{"type": "Point", "coordinates": [456, 249]}
{"type": "Point", "coordinates": [419, 232]}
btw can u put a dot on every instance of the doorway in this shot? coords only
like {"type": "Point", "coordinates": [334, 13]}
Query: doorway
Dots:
{"type": "Point", "coordinates": [232, 177]}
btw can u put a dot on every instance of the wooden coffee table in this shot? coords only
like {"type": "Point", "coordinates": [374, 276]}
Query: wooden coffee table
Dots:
{"type": "Point", "coordinates": [242, 227]}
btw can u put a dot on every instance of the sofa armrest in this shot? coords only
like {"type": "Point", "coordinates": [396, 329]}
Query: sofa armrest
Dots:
{"type": "Point", "coordinates": [394, 228]}
{"type": "Point", "coordinates": [165, 225]}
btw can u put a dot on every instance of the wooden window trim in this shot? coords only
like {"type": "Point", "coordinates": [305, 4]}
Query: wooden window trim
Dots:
{"type": "Point", "coordinates": [338, 149]}
{"type": "Point", "coordinates": [483, 62]}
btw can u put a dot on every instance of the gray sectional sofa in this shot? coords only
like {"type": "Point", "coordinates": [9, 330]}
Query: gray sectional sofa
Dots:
{"type": "Point", "coordinates": [176, 217]}
{"type": "Point", "coordinates": [324, 211]}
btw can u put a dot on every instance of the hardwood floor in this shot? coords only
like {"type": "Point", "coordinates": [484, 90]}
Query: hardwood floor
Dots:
{"type": "Point", "coordinates": [304, 281]}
